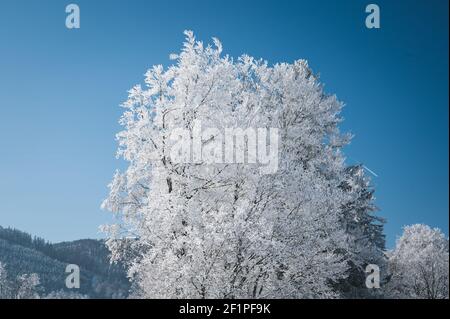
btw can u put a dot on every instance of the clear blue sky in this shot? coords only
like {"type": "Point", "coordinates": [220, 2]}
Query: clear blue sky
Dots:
{"type": "Point", "coordinates": [60, 90]}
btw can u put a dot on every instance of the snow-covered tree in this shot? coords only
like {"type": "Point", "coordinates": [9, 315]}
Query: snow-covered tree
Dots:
{"type": "Point", "coordinates": [24, 287]}
{"type": "Point", "coordinates": [419, 264]}
{"type": "Point", "coordinates": [4, 283]}
{"type": "Point", "coordinates": [27, 286]}
{"type": "Point", "coordinates": [207, 228]}
{"type": "Point", "coordinates": [366, 239]}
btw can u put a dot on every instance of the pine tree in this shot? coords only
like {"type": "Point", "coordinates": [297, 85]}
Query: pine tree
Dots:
{"type": "Point", "coordinates": [366, 238]}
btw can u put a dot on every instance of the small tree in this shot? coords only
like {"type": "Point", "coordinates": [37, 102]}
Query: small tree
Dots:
{"type": "Point", "coordinates": [27, 286]}
{"type": "Point", "coordinates": [24, 287]}
{"type": "Point", "coordinates": [420, 264]}
{"type": "Point", "coordinates": [4, 283]}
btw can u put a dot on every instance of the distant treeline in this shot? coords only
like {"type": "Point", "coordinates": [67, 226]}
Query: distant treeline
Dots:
{"type": "Point", "coordinates": [23, 253]}
{"type": "Point", "coordinates": [24, 239]}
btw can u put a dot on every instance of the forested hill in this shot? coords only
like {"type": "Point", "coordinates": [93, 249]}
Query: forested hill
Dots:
{"type": "Point", "coordinates": [24, 254]}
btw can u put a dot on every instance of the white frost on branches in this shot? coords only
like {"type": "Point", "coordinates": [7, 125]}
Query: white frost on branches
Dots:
{"type": "Point", "coordinates": [23, 287]}
{"type": "Point", "coordinates": [420, 264]}
{"type": "Point", "coordinates": [224, 230]}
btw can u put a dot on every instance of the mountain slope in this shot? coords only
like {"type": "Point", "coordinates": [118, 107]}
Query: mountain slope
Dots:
{"type": "Point", "coordinates": [98, 278]}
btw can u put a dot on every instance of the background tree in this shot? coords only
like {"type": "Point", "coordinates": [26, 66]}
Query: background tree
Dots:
{"type": "Point", "coordinates": [4, 283]}
{"type": "Point", "coordinates": [27, 287]}
{"type": "Point", "coordinates": [366, 238]}
{"type": "Point", "coordinates": [419, 264]}
{"type": "Point", "coordinates": [24, 287]}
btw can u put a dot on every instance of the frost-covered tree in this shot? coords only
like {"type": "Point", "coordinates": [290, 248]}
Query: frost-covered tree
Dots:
{"type": "Point", "coordinates": [419, 264]}
{"type": "Point", "coordinates": [211, 229]}
{"type": "Point", "coordinates": [24, 287]}
{"type": "Point", "coordinates": [365, 229]}
{"type": "Point", "coordinates": [4, 283]}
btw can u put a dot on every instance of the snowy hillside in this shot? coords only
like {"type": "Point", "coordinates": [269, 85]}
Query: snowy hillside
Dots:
{"type": "Point", "coordinates": [21, 254]}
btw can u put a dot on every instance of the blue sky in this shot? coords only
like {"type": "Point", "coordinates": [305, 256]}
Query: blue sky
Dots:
{"type": "Point", "coordinates": [60, 90]}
